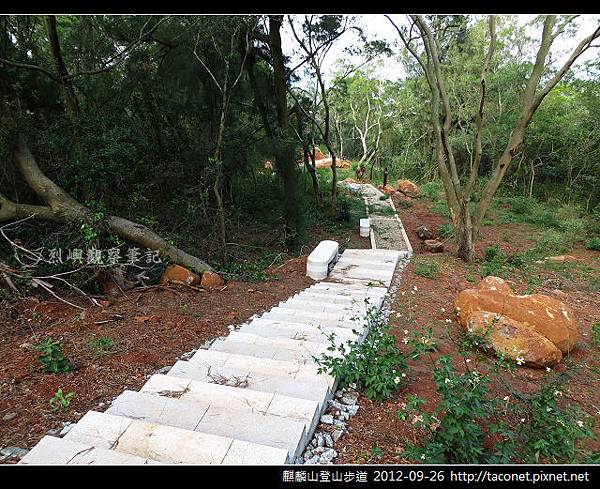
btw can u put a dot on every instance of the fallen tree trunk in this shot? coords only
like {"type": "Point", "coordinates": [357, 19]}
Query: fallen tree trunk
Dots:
{"type": "Point", "coordinates": [63, 208]}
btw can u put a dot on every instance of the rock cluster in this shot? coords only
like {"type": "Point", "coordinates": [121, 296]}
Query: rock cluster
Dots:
{"type": "Point", "coordinates": [340, 409]}
{"type": "Point", "coordinates": [408, 188]}
{"type": "Point", "coordinates": [535, 330]}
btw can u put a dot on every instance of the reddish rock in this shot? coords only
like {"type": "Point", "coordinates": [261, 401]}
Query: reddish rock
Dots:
{"type": "Point", "coordinates": [408, 188]}
{"type": "Point", "coordinates": [339, 163]}
{"type": "Point", "coordinates": [318, 154]}
{"type": "Point", "coordinates": [351, 180]}
{"type": "Point", "coordinates": [512, 339]}
{"type": "Point", "coordinates": [211, 280]}
{"type": "Point", "coordinates": [388, 189]}
{"type": "Point", "coordinates": [561, 259]}
{"type": "Point", "coordinates": [177, 273]}
{"type": "Point", "coordinates": [494, 283]}
{"type": "Point", "coordinates": [433, 245]}
{"type": "Point", "coordinates": [548, 316]}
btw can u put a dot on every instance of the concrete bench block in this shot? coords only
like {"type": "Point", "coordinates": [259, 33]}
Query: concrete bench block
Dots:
{"type": "Point", "coordinates": [317, 264]}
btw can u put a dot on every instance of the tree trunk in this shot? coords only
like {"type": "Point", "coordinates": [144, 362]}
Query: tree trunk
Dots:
{"type": "Point", "coordinates": [464, 234]}
{"type": "Point", "coordinates": [61, 69]}
{"type": "Point", "coordinates": [63, 208]}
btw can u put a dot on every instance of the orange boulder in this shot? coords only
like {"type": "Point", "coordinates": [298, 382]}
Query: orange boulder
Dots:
{"type": "Point", "coordinates": [211, 280]}
{"type": "Point", "coordinates": [512, 339]}
{"type": "Point", "coordinates": [408, 188]}
{"type": "Point", "coordinates": [177, 273]}
{"type": "Point", "coordinates": [548, 316]}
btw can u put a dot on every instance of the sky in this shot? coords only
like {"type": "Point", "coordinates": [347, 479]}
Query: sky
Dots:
{"type": "Point", "coordinates": [376, 26]}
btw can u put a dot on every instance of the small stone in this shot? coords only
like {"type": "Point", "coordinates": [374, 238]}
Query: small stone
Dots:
{"type": "Point", "coordinates": [313, 461]}
{"type": "Point", "coordinates": [9, 416]}
{"type": "Point", "coordinates": [339, 423]}
{"type": "Point", "coordinates": [433, 245]}
{"type": "Point", "coordinates": [319, 450]}
{"type": "Point", "coordinates": [328, 456]}
{"type": "Point", "coordinates": [337, 434]}
{"type": "Point", "coordinates": [352, 410]}
{"type": "Point", "coordinates": [328, 440]}
{"type": "Point", "coordinates": [211, 280]}
{"type": "Point", "coordinates": [349, 401]}
{"type": "Point", "coordinates": [339, 393]}
{"type": "Point", "coordinates": [12, 452]}
{"type": "Point", "coordinates": [307, 454]}
{"type": "Point", "coordinates": [298, 461]}
{"type": "Point", "coordinates": [66, 428]}
{"type": "Point", "coordinates": [327, 419]}
{"type": "Point", "coordinates": [231, 327]}
{"type": "Point", "coordinates": [188, 355]}
{"type": "Point", "coordinates": [344, 416]}
{"type": "Point", "coordinates": [320, 439]}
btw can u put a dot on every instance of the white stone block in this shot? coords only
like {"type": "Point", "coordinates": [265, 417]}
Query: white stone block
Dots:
{"type": "Point", "coordinates": [159, 409]}
{"type": "Point", "coordinates": [244, 453]}
{"type": "Point", "coordinates": [317, 264]}
{"type": "Point", "coordinates": [365, 228]}
{"type": "Point", "coordinates": [100, 430]}
{"type": "Point", "coordinates": [173, 445]}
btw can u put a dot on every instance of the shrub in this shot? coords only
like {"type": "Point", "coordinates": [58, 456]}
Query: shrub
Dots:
{"type": "Point", "coordinates": [596, 334]}
{"type": "Point", "coordinates": [551, 241]}
{"type": "Point", "coordinates": [446, 230]}
{"type": "Point", "coordinates": [458, 437]}
{"type": "Point", "coordinates": [52, 358]}
{"type": "Point", "coordinates": [374, 366]}
{"type": "Point", "coordinates": [426, 268]}
{"type": "Point", "coordinates": [431, 190]}
{"type": "Point", "coordinates": [593, 244]}
{"type": "Point", "coordinates": [60, 401]}
{"type": "Point", "coordinates": [101, 346]}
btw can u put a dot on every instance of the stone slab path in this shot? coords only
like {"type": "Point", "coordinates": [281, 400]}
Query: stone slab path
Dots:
{"type": "Point", "coordinates": [254, 397]}
{"type": "Point", "coordinates": [387, 231]}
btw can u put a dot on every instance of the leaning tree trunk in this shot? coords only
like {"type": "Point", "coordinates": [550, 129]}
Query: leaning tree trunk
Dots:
{"type": "Point", "coordinates": [61, 207]}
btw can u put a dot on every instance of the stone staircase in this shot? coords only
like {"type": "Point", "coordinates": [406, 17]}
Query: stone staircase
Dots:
{"type": "Point", "coordinates": [254, 397]}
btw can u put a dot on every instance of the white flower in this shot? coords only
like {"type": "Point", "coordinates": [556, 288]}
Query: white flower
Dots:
{"type": "Point", "coordinates": [443, 310]}
{"type": "Point", "coordinates": [403, 292]}
{"type": "Point", "coordinates": [423, 457]}
{"type": "Point", "coordinates": [580, 424]}
{"type": "Point", "coordinates": [457, 308]}
{"type": "Point", "coordinates": [448, 320]}
{"type": "Point", "coordinates": [548, 409]}
{"type": "Point", "coordinates": [447, 381]}
{"type": "Point", "coordinates": [468, 360]}
{"type": "Point", "coordinates": [522, 420]}
{"type": "Point", "coordinates": [506, 398]}
{"type": "Point", "coordinates": [397, 380]}
{"type": "Point", "coordinates": [412, 292]}
{"type": "Point", "coordinates": [405, 340]}
{"type": "Point", "coordinates": [403, 374]}
{"type": "Point", "coordinates": [557, 393]}
{"type": "Point", "coordinates": [406, 331]}
{"type": "Point", "coordinates": [520, 360]}
{"type": "Point", "coordinates": [548, 369]}
{"type": "Point", "coordinates": [415, 288]}
{"type": "Point", "coordinates": [398, 315]}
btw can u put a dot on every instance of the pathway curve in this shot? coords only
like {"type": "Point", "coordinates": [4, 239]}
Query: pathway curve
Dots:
{"type": "Point", "coordinates": [254, 397]}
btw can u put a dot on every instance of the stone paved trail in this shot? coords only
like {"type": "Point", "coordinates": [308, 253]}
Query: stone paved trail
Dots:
{"type": "Point", "coordinates": [254, 397]}
{"type": "Point", "coordinates": [387, 229]}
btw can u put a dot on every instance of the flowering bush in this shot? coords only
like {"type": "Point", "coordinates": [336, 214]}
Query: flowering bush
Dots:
{"type": "Point", "coordinates": [466, 426]}
{"type": "Point", "coordinates": [375, 365]}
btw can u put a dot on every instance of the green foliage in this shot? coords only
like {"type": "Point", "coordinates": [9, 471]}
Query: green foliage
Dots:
{"type": "Point", "coordinates": [593, 244]}
{"type": "Point", "coordinates": [548, 431]}
{"type": "Point", "coordinates": [427, 268]}
{"type": "Point", "coordinates": [596, 334]}
{"type": "Point", "coordinates": [375, 365]}
{"type": "Point", "coordinates": [446, 230]}
{"type": "Point", "coordinates": [457, 429]}
{"type": "Point", "coordinates": [52, 358]}
{"type": "Point", "coordinates": [432, 190]}
{"type": "Point", "coordinates": [59, 401]}
{"type": "Point", "coordinates": [458, 437]}
{"type": "Point", "coordinates": [252, 268]}
{"type": "Point", "coordinates": [102, 346]}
